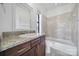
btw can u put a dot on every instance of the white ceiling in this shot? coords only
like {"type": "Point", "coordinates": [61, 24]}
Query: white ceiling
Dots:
{"type": "Point", "coordinates": [48, 6]}
{"type": "Point", "coordinates": [45, 8]}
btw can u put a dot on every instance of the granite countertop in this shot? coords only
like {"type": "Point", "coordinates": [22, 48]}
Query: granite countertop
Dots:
{"type": "Point", "coordinates": [16, 40]}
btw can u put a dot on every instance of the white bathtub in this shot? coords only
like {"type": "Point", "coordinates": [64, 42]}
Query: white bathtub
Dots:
{"type": "Point", "coordinates": [54, 47]}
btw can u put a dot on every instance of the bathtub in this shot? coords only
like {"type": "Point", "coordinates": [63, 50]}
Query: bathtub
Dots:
{"type": "Point", "coordinates": [54, 47]}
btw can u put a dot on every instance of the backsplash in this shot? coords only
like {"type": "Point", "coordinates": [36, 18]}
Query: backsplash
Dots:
{"type": "Point", "coordinates": [16, 33]}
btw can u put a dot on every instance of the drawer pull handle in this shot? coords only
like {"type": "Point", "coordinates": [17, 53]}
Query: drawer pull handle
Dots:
{"type": "Point", "coordinates": [21, 50]}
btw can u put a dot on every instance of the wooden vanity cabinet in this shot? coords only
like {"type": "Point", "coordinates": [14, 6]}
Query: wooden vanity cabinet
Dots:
{"type": "Point", "coordinates": [35, 47]}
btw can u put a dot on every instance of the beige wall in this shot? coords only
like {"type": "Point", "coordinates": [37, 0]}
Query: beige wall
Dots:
{"type": "Point", "coordinates": [51, 27]}
{"type": "Point", "coordinates": [78, 29]}
{"type": "Point", "coordinates": [43, 25]}
{"type": "Point", "coordinates": [6, 17]}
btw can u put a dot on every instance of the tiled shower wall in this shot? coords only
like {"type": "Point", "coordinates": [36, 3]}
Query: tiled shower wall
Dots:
{"type": "Point", "coordinates": [60, 26]}
{"type": "Point", "coordinates": [75, 25]}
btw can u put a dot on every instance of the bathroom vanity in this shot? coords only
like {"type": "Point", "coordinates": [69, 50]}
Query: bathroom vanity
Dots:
{"type": "Point", "coordinates": [21, 20]}
{"type": "Point", "coordinates": [34, 46]}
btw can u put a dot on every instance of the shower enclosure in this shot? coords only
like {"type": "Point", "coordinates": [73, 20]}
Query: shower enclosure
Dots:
{"type": "Point", "coordinates": [62, 36]}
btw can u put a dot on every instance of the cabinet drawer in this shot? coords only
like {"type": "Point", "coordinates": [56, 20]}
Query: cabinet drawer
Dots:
{"type": "Point", "coordinates": [35, 42]}
{"type": "Point", "coordinates": [18, 50]}
{"type": "Point", "coordinates": [31, 52]}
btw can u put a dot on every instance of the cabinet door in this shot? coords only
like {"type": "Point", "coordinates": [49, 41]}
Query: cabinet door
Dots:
{"type": "Point", "coordinates": [31, 52]}
{"type": "Point", "coordinates": [40, 48]}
